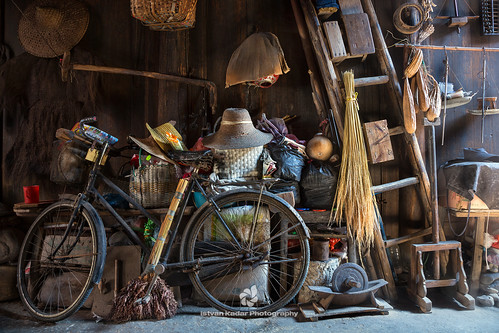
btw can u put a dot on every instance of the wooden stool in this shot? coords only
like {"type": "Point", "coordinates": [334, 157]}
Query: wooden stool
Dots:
{"type": "Point", "coordinates": [491, 100]}
{"type": "Point", "coordinates": [418, 283]}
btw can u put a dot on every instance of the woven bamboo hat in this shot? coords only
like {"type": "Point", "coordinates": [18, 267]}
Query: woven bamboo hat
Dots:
{"type": "Point", "coordinates": [48, 28]}
{"type": "Point", "coordinates": [236, 132]}
{"type": "Point", "coordinates": [167, 137]}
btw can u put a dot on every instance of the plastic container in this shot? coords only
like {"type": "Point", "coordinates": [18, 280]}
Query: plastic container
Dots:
{"type": "Point", "coordinates": [199, 199]}
{"type": "Point", "coordinates": [31, 194]}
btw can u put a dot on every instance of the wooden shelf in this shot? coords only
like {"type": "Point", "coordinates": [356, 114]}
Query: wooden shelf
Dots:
{"type": "Point", "coordinates": [475, 212]}
{"type": "Point", "coordinates": [33, 210]}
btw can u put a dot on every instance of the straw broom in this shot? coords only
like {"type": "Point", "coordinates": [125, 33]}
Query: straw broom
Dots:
{"type": "Point", "coordinates": [162, 303]}
{"type": "Point", "coordinates": [354, 198]}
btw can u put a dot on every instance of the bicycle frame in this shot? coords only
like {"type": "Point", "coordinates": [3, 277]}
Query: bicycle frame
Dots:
{"type": "Point", "coordinates": [192, 183]}
{"type": "Point", "coordinates": [92, 192]}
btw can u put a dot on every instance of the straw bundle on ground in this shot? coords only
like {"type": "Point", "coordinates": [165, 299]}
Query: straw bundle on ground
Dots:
{"type": "Point", "coordinates": [354, 199]}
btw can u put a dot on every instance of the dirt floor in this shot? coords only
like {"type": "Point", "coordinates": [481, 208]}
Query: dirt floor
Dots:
{"type": "Point", "coordinates": [446, 316]}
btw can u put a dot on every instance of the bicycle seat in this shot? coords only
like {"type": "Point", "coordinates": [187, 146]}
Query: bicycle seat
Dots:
{"type": "Point", "coordinates": [198, 159]}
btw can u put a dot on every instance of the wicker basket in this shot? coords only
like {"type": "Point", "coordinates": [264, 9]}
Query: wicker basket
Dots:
{"type": "Point", "coordinates": [153, 185]}
{"type": "Point", "coordinates": [165, 15]}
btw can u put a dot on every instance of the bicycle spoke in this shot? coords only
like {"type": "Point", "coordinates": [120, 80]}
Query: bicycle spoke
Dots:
{"type": "Point", "coordinates": [267, 264]}
{"type": "Point", "coordinates": [55, 284]}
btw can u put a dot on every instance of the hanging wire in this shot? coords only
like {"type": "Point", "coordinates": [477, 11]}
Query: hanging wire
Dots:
{"type": "Point", "coordinates": [400, 40]}
{"type": "Point", "coordinates": [450, 222]}
{"type": "Point", "coordinates": [441, 7]}
{"type": "Point", "coordinates": [466, 2]}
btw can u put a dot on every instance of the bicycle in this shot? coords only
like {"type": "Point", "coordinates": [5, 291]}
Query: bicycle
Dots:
{"type": "Point", "coordinates": [245, 251]}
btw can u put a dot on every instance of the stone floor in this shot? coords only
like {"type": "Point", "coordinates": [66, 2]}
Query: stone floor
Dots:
{"type": "Point", "coordinates": [446, 316]}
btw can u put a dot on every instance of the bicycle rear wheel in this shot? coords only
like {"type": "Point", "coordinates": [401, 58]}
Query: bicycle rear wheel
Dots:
{"type": "Point", "coordinates": [56, 272]}
{"type": "Point", "coordinates": [250, 275]}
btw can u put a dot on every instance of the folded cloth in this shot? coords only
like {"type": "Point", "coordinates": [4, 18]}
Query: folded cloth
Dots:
{"type": "Point", "coordinates": [469, 178]}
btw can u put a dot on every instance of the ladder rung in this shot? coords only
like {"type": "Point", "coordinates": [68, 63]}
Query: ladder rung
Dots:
{"type": "Point", "coordinates": [396, 130]}
{"type": "Point", "coordinates": [371, 81]}
{"type": "Point", "coordinates": [395, 185]}
{"type": "Point", "coordinates": [406, 238]}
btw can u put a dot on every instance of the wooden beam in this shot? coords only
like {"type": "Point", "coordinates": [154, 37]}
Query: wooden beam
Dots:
{"type": "Point", "coordinates": [451, 48]}
{"type": "Point", "coordinates": [325, 64]}
{"type": "Point", "coordinates": [212, 88]}
{"type": "Point", "coordinates": [475, 213]}
{"type": "Point", "coordinates": [311, 63]}
{"type": "Point", "coordinates": [384, 269]}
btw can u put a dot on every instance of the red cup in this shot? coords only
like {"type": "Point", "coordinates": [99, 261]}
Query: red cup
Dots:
{"type": "Point", "coordinates": [31, 194]}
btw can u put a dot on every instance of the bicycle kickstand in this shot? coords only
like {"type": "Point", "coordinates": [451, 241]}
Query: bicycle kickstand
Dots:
{"type": "Point", "coordinates": [158, 270]}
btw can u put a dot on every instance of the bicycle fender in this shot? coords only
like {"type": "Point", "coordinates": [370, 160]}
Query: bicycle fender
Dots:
{"type": "Point", "coordinates": [206, 205]}
{"type": "Point", "coordinates": [99, 229]}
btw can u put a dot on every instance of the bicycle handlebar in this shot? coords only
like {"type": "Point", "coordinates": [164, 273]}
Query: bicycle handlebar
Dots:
{"type": "Point", "coordinates": [84, 121]}
{"type": "Point", "coordinates": [88, 120]}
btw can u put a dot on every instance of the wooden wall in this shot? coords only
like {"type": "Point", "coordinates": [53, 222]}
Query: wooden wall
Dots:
{"type": "Point", "coordinates": [125, 104]}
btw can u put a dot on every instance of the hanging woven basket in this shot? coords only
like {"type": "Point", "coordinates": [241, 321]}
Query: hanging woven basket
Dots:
{"type": "Point", "coordinates": [165, 15]}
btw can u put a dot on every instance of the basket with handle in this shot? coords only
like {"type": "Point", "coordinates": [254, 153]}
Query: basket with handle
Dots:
{"type": "Point", "coordinates": [165, 15]}
{"type": "Point", "coordinates": [153, 185]}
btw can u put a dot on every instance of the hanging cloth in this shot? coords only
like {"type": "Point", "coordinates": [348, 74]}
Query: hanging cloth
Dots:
{"type": "Point", "coordinates": [260, 55]}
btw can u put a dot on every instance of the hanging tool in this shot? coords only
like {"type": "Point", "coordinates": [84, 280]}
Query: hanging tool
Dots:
{"type": "Point", "coordinates": [446, 62]}
{"type": "Point", "coordinates": [484, 76]}
{"type": "Point", "coordinates": [457, 21]}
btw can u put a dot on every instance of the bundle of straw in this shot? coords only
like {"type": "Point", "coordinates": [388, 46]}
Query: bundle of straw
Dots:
{"type": "Point", "coordinates": [354, 198]}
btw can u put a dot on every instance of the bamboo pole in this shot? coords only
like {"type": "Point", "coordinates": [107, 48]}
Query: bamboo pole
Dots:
{"type": "Point", "coordinates": [166, 224]}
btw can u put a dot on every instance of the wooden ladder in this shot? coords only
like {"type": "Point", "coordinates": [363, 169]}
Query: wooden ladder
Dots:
{"type": "Point", "coordinates": [333, 91]}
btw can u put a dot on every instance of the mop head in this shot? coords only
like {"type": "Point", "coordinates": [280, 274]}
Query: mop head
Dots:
{"type": "Point", "coordinates": [161, 306]}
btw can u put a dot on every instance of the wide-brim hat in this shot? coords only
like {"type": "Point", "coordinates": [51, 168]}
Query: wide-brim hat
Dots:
{"type": "Point", "coordinates": [236, 132]}
{"type": "Point", "coordinates": [150, 145]}
{"type": "Point", "coordinates": [48, 28]}
{"type": "Point", "coordinates": [167, 137]}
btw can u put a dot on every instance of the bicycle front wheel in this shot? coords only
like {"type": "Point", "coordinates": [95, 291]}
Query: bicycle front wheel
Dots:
{"type": "Point", "coordinates": [59, 263]}
{"type": "Point", "coordinates": [253, 253]}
